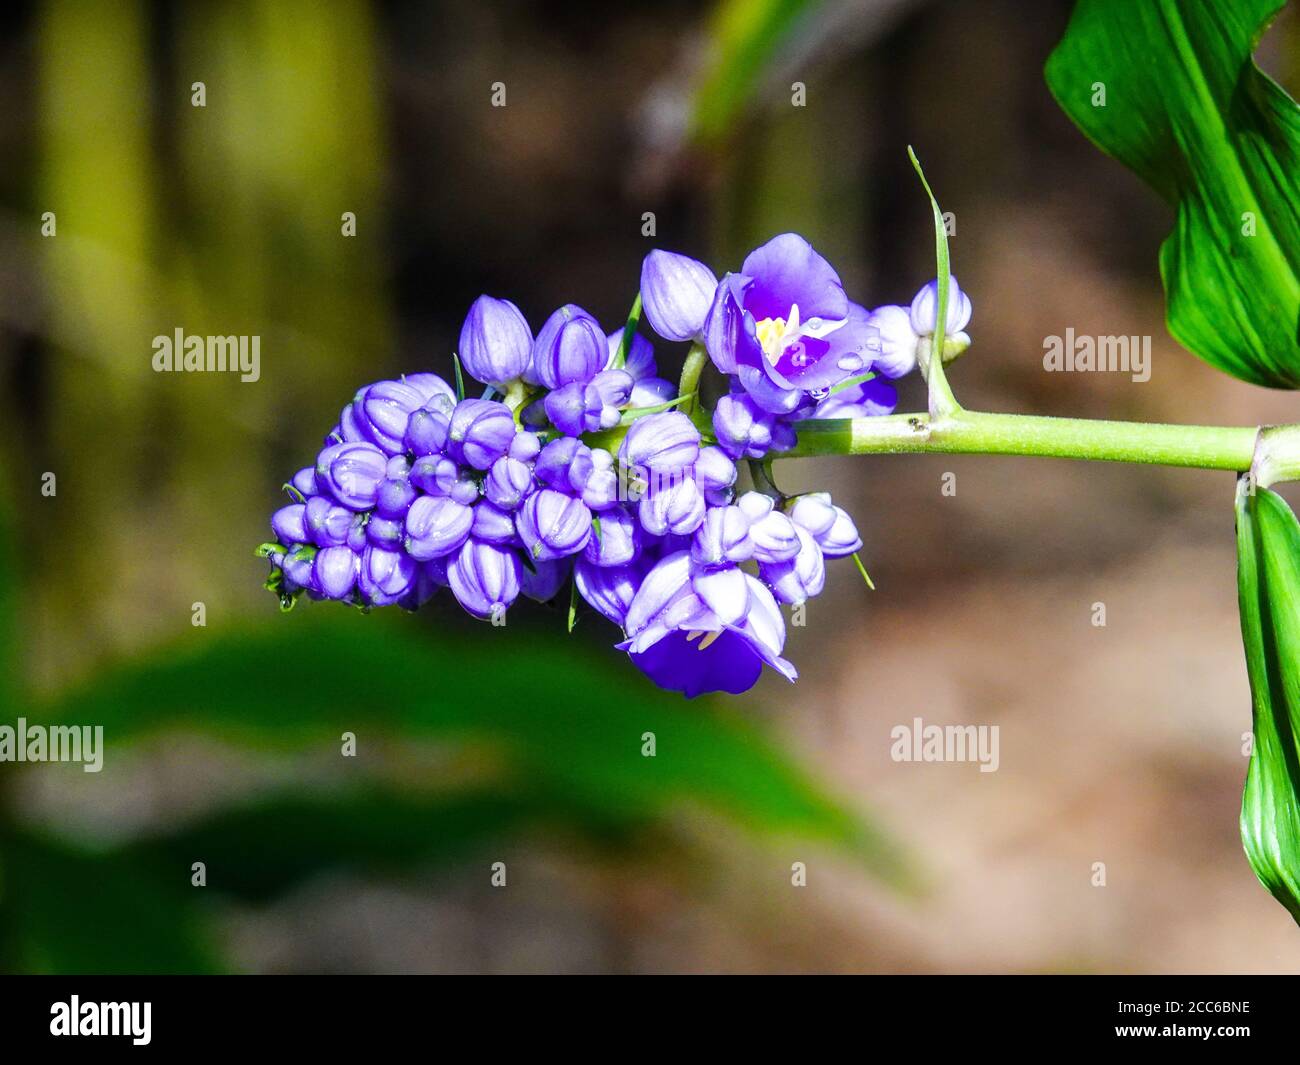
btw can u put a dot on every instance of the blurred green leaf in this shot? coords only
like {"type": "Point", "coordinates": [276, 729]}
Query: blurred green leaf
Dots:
{"type": "Point", "coordinates": [564, 718]}
{"type": "Point", "coordinates": [11, 677]}
{"type": "Point", "coordinates": [1268, 579]}
{"type": "Point", "coordinates": [262, 848]}
{"type": "Point", "coordinates": [744, 36]}
{"type": "Point", "coordinates": [67, 910]}
{"type": "Point", "coordinates": [1186, 108]}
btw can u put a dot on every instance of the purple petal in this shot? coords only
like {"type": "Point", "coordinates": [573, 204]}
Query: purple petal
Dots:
{"type": "Point", "coordinates": [788, 272]}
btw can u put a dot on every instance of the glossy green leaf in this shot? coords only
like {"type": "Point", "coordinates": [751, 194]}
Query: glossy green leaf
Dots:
{"type": "Point", "coordinates": [1268, 578]}
{"type": "Point", "coordinates": [1169, 88]}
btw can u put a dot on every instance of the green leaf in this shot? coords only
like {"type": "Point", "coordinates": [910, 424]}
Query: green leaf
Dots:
{"type": "Point", "coordinates": [560, 717]}
{"type": "Point", "coordinates": [64, 909]}
{"type": "Point", "coordinates": [941, 399]}
{"type": "Point", "coordinates": [1187, 109]}
{"type": "Point", "coordinates": [11, 668]}
{"type": "Point", "coordinates": [744, 36]}
{"type": "Point", "coordinates": [1268, 581]}
{"type": "Point", "coordinates": [262, 848]}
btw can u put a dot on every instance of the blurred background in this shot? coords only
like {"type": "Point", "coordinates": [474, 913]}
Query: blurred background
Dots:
{"type": "Point", "coordinates": [1119, 744]}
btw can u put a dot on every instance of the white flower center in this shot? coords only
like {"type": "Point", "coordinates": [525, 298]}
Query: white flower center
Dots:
{"type": "Point", "coordinates": [776, 336]}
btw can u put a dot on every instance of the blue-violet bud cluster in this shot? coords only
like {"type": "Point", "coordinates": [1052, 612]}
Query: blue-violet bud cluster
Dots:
{"type": "Point", "coordinates": [579, 463]}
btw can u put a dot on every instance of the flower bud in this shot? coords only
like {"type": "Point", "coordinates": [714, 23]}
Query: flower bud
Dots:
{"type": "Point", "coordinates": [661, 443]}
{"type": "Point", "coordinates": [435, 393]}
{"type": "Point", "coordinates": [429, 577]}
{"type": "Point", "coordinates": [495, 341]}
{"type": "Point", "coordinates": [356, 537]}
{"type": "Point", "coordinates": [508, 482]}
{"type": "Point", "coordinates": [553, 525]}
{"type": "Point", "coordinates": [543, 582]}
{"type": "Point", "coordinates": [651, 392]}
{"type": "Point", "coordinates": [842, 539]}
{"type": "Point", "coordinates": [555, 461]}
{"type": "Point", "coordinates": [289, 524]}
{"type": "Point", "coordinates": [352, 472]}
{"type": "Point", "coordinates": [743, 429]}
{"type": "Point", "coordinates": [568, 408]}
{"type": "Point", "coordinates": [382, 411]}
{"type": "Point", "coordinates": [830, 526]}
{"type": "Point", "coordinates": [394, 497]}
{"type": "Point", "coordinates": [774, 535]}
{"type": "Point", "coordinates": [525, 447]}
{"type": "Point", "coordinates": [436, 526]}
{"type": "Point", "coordinates": [298, 565]}
{"type": "Point", "coordinates": [492, 524]}
{"type": "Point", "coordinates": [384, 532]}
{"type": "Point", "coordinates": [714, 470]}
{"type": "Point", "coordinates": [613, 388]}
{"type": "Point", "coordinates": [592, 476]}
{"type": "Point", "coordinates": [616, 542]}
{"type": "Point", "coordinates": [305, 481]}
{"type": "Point", "coordinates": [570, 347]}
{"type": "Point", "coordinates": [434, 475]}
{"type": "Point", "coordinates": [925, 306]}
{"type": "Point", "coordinates": [722, 538]}
{"type": "Point", "coordinates": [676, 294]}
{"type": "Point", "coordinates": [800, 578]}
{"type": "Point", "coordinates": [814, 512]}
{"type": "Point", "coordinates": [484, 578]}
{"type": "Point", "coordinates": [898, 341]}
{"type": "Point", "coordinates": [349, 429]}
{"type": "Point", "coordinates": [334, 572]}
{"type": "Point", "coordinates": [640, 360]}
{"type": "Point", "coordinates": [677, 509]}
{"type": "Point", "coordinates": [426, 432]}
{"type": "Point", "coordinates": [385, 575]}
{"type": "Point", "coordinates": [480, 432]}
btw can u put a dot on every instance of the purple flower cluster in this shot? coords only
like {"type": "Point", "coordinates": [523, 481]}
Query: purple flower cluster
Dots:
{"type": "Point", "coordinates": [574, 465]}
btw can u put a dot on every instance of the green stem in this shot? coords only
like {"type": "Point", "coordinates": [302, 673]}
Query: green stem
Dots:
{"type": "Point", "coordinates": [629, 331]}
{"type": "Point", "coordinates": [760, 470]}
{"type": "Point", "coordinates": [972, 432]}
{"type": "Point", "coordinates": [690, 379]}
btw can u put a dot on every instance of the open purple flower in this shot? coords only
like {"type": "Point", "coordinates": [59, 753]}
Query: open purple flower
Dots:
{"type": "Point", "coordinates": [784, 327]}
{"type": "Point", "coordinates": [681, 643]}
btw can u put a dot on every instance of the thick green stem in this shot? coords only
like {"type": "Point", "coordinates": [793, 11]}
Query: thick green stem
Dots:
{"type": "Point", "coordinates": [972, 432]}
